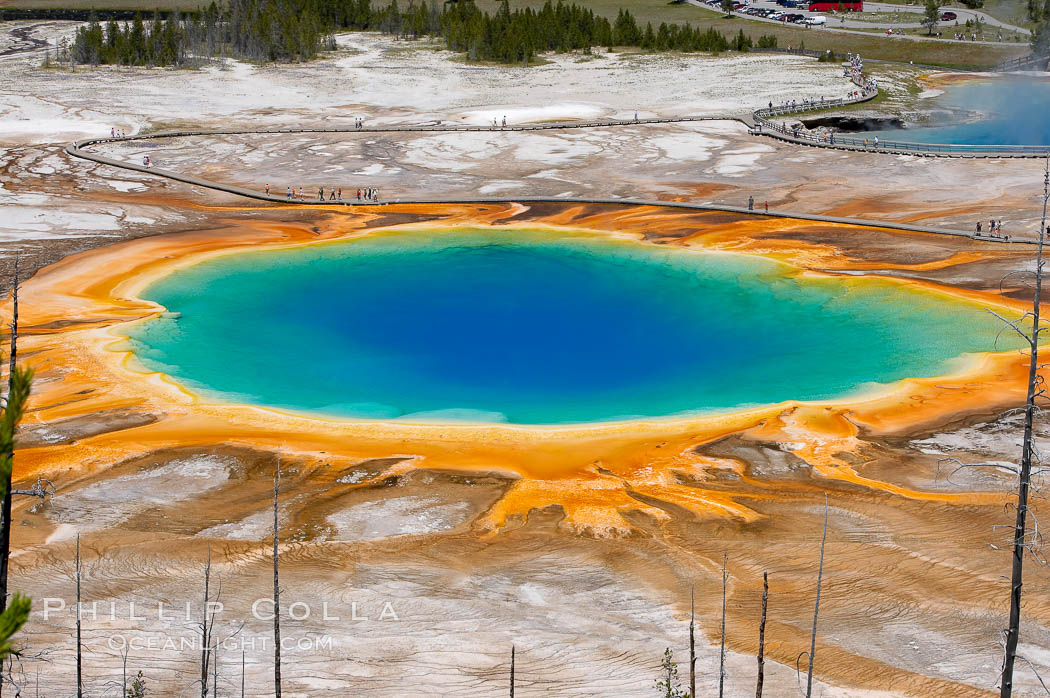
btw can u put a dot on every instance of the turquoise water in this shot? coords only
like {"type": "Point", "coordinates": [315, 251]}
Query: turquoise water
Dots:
{"type": "Point", "coordinates": [1005, 111]}
{"type": "Point", "coordinates": [537, 328]}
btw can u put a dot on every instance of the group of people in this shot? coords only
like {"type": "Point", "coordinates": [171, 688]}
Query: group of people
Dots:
{"type": "Point", "coordinates": [117, 133]}
{"type": "Point", "coordinates": [334, 194]}
{"type": "Point", "coordinates": [496, 124]}
{"type": "Point", "coordinates": [972, 37]}
{"type": "Point", "coordinates": [995, 229]}
{"type": "Point", "coordinates": [854, 69]}
{"type": "Point", "coordinates": [791, 105]}
{"type": "Point", "coordinates": [359, 122]}
{"type": "Point", "coordinates": [146, 162]}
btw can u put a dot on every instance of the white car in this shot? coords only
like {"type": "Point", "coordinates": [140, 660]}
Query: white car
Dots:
{"type": "Point", "coordinates": [815, 20]}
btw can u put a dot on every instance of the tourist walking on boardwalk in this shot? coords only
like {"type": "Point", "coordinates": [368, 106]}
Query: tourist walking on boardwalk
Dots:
{"type": "Point", "coordinates": [331, 195]}
{"type": "Point", "coordinates": [359, 193]}
{"type": "Point", "coordinates": [340, 194]}
{"type": "Point", "coordinates": [504, 122]}
{"type": "Point", "coordinates": [978, 227]}
{"type": "Point", "coordinates": [288, 193]}
{"type": "Point", "coordinates": [750, 203]}
{"type": "Point", "coordinates": [767, 206]}
{"type": "Point", "coordinates": [267, 189]}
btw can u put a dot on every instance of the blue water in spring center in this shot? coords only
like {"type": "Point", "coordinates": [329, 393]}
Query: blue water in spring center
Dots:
{"type": "Point", "coordinates": [537, 327]}
{"type": "Point", "coordinates": [1002, 111]}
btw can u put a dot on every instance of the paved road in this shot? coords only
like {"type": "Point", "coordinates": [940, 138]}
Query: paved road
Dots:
{"type": "Point", "coordinates": [78, 149]}
{"type": "Point", "coordinates": [962, 12]}
{"type": "Point", "coordinates": [836, 29]}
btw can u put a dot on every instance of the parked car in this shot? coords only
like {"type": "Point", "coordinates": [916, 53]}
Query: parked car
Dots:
{"type": "Point", "coordinates": [815, 20]}
{"type": "Point", "coordinates": [787, 3]}
{"type": "Point", "coordinates": [948, 16]}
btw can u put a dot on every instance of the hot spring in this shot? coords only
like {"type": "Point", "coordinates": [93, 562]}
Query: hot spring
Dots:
{"type": "Point", "coordinates": [1005, 111]}
{"type": "Point", "coordinates": [538, 327]}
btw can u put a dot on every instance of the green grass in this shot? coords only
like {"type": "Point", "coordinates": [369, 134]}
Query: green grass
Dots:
{"type": "Point", "coordinates": [886, 17]}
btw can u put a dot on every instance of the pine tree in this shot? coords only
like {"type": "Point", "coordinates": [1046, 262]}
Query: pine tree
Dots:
{"type": "Point", "coordinates": [670, 686]}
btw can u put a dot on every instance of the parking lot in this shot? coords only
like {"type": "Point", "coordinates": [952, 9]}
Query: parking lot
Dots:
{"type": "Point", "coordinates": [894, 18]}
{"type": "Point", "coordinates": [789, 11]}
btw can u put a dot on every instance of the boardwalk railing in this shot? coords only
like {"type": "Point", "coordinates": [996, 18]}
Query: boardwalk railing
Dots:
{"type": "Point", "coordinates": [778, 130]}
{"type": "Point", "coordinates": [1033, 61]}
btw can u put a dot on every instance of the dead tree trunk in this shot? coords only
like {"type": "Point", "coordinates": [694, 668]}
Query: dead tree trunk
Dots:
{"type": "Point", "coordinates": [722, 651]}
{"type": "Point", "coordinates": [5, 507]}
{"type": "Point", "coordinates": [205, 631]}
{"type": "Point", "coordinates": [214, 665]}
{"type": "Point", "coordinates": [276, 591]}
{"type": "Point", "coordinates": [80, 674]}
{"type": "Point", "coordinates": [816, 606]}
{"type": "Point", "coordinates": [692, 642]}
{"type": "Point", "coordinates": [512, 671]}
{"type": "Point", "coordinates": [1025, 475]}
{"type": "Point", "coordinates": [762, 636]}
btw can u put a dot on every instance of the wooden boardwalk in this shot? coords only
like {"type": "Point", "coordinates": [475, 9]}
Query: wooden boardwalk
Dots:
{"type": "Point", "coordinates": [79, 149]}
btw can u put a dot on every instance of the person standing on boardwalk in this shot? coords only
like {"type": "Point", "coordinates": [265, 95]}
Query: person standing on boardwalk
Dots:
{"type": "Point", "coordinates": [504, 122]}
{"type": "Point", "coordinates": [767, 207]}
{"type": "Point", "coordinates": [267, 189]}
{"type": "Point", "coordinates": [750, 203]}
